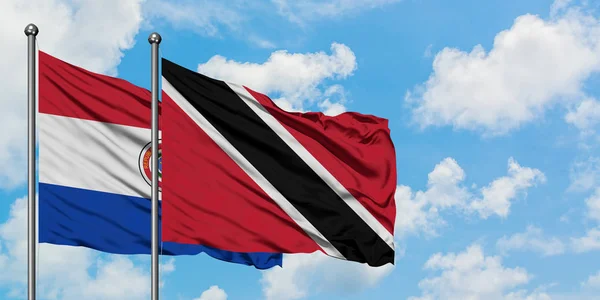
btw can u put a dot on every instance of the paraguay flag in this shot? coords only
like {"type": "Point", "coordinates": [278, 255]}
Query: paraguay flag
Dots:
{"type": "Point", "coordinates": [94, 166]}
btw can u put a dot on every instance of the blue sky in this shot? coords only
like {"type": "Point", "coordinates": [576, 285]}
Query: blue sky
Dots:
{"type": "Point", "coordinates": [493, 111]}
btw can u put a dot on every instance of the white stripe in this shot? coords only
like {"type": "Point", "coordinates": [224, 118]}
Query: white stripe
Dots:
{"type": "Point", "coordinates": [92, 155]}
{"type": "Point", "coordinates": [256, 176]}
{"type": "Point", "coordinates": [314, 164]}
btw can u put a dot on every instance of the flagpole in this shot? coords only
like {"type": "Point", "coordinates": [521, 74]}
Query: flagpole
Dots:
{"type": "Point", "coordinates": [31, 32]}
{"type": "Point", "coordinates": [154, 39]}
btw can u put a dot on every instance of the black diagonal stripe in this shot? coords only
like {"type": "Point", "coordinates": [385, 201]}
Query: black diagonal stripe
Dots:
{"type": "Point", "coordinates": [280, 165]}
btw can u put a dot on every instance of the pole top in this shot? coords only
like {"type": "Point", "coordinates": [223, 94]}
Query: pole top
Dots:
{"type": "Point", "coordinates": [31, 29]}
{"type": "Point", "coordinates": [154, 38]}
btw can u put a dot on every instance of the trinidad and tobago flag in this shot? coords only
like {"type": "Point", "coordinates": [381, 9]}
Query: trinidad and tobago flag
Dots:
{"type": "Point", "coordinates": [240, 174]}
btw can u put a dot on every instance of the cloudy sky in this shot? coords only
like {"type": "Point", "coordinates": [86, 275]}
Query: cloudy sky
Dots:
{"type": "Point", "coordinates": [494, 111]}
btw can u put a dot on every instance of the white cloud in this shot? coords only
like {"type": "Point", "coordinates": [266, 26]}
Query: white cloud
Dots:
{"type": "Point", "coordinates": [319, 273]}
{"type": "Point", "coordinates": [586, 116]}
{"type": "Point", "coordinates": [301, 11]}
{"type": "Point", "coordinates": [472, 275]}
{"type": "Point", "coordinates": [532, 239]}
{"type": "Point", "coordinates": [212, 17]}
{"type": "Point", "coordinates": [331, 109]}
{"type": "Point", "coordinates": [296, 78]}
{"type": "Point", "coordinates": [559, 6]}
{"type": "Point", "coordinates": [332, 104]}
{"type": "Point", "coordinates": [593, 206]}
{"type": "Point", "coordinates": [532, 66]}
{"type": "Point", "coordinates": [118, 278]}
{"type": "Point", "coordinates": [335, 97]}
{"type": "Point", "coordinates": [524, 295]}
{"type": "Point", "coordinates": [585, 174]}
{"type": "Point", "coordinates": [71, 30]}
{"type": "Point", "coordinates": [593, 282]}
{"type": "Point", "coordinates": [427, 53]}
{"type": "Point", "coordinates": [446, 190]}
{"type": "Point", "coordinates": [168, 266]}
{"type": "Point", "coordinates": [589, 242]}
{"type": "Point", "coordinates": [418, 214]}
{"type": "Point", "coordinates": [497, 195]}
{"type": "Point", "coordinates": [261, 42]}
{"type": "Point", "coordinates": [421, 209]}
{"type": "Point", "coordinates": [213, 293]}
{"type": "Point", "coordinates": [204, 16]}
{"type": "Point", "coordinates": [90, 275]}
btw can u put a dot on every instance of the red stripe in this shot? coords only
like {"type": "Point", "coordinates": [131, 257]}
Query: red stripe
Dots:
{"type": "Point", "coordinates": [356, 149]}
{"type": "Point", "coordinates": [213, 200]}
{"type": "Point", "coordinates": [70, 91]}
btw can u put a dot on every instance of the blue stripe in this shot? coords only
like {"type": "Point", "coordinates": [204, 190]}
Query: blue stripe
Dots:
{"type": "Point", "coordinates": [117, 224]}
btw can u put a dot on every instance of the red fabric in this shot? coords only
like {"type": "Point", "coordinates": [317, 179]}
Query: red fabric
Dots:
{"type": "Point", "coordinates": [107, 99]}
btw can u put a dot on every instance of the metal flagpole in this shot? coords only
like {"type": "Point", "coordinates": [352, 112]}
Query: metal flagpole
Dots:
{"type": "Point", "coordinates": [154, 40]}
{"type": "Point", "coordinates": [31, 32]}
